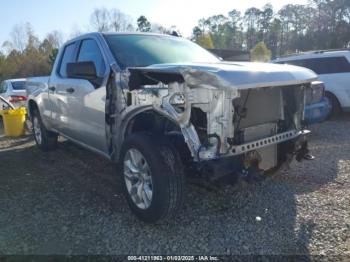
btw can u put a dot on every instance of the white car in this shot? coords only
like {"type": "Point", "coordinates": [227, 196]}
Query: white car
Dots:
{"type": "Point", "coordinates": [333, 68]}
{"type": "Point", "coordinates": [14, 91]}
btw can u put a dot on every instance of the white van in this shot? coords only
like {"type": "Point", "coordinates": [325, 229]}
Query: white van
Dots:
{"type": "Point", "coordinates": [333, 68]}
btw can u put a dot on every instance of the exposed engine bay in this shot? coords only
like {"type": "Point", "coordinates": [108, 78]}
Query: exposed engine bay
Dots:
{"type": "Point", "coordinates": [258, 126]}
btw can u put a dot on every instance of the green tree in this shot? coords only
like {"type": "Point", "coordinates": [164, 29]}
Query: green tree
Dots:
{"type": "Point", "coordinates": [274, 37]}
{"type": "Point", "coordinates": [28, 56]}
{"type": "Point", "coordinates": [2, 66]}
{"type": "Point", "coordinates": [252, 22]}
{"type": "Point", "coordinates": [260, 53]}
{"type": "Point", "coordinates": [265, 21]}
{"type": "Point", "coordinates": [224, 31]}
{"type": "Point", "coordinates": [196, 32]}
{"type": "Point", "coordinates": [235, 36]}
{"type": "Point", "coordinates": [52, 56]}
{"type": "Point", "coordinates": [143, 25]}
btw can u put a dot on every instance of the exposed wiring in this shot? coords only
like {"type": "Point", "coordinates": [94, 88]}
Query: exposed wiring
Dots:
{"type": "Point", "coordinates": [290, 116]}
{"type": "Point", "coordinates": [243, 107]}
{"type": "Point", "coordinates": [115, 70]}
{"type": "Point", "coordinates": [151, 78]}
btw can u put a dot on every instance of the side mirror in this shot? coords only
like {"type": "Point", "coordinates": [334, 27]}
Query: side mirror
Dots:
{"type": "Point", "coordinates": [82, 70]}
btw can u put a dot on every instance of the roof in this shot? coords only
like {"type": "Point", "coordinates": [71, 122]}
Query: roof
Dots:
{"type": "Point", "coordinates": [99, 35]}
{"type": "Point", "coordinates": [94, 34]}
{"type": "Point", "coordinates": [15, 80]}
{"type": "Point", "coordinates": [315, 53]}
{"type": "Point", "coordinates": [136, 33]}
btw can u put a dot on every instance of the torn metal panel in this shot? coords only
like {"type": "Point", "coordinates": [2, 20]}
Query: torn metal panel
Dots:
{"type": "Point", "coordinates": [215, 89]}
{"type": "Point", "coordinates": [231, 75]}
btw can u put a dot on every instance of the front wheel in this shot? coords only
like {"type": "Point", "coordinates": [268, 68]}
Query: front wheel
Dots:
{"type": "Point", "coordinates": [45, 139]}
{"type": "Point", "coordinates": [335, 108]}
{"type": "Point", "coordinates": [152, 176]}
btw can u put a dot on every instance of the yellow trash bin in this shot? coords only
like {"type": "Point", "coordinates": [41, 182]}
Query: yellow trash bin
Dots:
{"type": "Point", "coordinates": [14, 120]}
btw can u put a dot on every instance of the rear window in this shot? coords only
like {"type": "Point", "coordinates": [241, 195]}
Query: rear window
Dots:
{"type": "Point", "coordinates": [324, 65]}
{"type": "Point", "coordinates": [18, 85]}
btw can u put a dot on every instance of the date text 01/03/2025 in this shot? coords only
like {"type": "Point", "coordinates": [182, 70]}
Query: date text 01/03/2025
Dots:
{"type": "Point", "coordinates": [173, 258]}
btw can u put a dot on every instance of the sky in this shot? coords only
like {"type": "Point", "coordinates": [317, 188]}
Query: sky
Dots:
{"type": "Point", "coordinates": [69, 16]}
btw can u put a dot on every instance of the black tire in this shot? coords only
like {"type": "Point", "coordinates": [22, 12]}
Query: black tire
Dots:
{"type": "Point", "coordinates": [166, 171]}
{"type": "Point", "coordinates": [48, 140]}
{"type": "Point", "coordinates": [335, 106]}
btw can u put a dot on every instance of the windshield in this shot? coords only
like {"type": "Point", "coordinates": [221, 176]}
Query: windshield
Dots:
{"type": "Point", "coordinates": [18, 85]}
{"type": "Point", "coordinates": [145, 50]}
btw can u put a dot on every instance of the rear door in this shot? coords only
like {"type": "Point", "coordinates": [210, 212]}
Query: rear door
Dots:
{"type": "Point", "coordinates": [86, 99]}
{"type": "Point", "coordinates": [59, 83]}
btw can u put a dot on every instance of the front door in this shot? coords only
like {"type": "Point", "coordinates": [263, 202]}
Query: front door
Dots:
{"type": "Point", "coordinates": [86, 100]}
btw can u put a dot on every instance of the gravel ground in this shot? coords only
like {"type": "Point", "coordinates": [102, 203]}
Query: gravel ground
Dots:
{"type": "Point", "coordinates": [69, 202]}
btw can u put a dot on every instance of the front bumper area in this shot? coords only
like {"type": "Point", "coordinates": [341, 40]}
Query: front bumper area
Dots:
{"type": "Point", "coordinates": [243, 164]}
{"type": "Point", "coordinates": [278, 138]}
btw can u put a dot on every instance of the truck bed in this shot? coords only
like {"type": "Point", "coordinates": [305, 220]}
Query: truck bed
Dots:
{"type": "Point", "coordinates": [36, 84]}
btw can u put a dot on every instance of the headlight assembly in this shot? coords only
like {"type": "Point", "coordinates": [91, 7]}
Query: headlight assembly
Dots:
{"type": "Point", "coordinates": [315, 93]}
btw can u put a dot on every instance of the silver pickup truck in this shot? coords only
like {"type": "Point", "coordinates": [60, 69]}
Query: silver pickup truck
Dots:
{"type": "Point", "coordinates": [164, 108]}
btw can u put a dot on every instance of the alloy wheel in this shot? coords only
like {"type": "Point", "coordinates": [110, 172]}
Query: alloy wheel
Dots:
{"type": "Point", "coordinates": [138, 179]}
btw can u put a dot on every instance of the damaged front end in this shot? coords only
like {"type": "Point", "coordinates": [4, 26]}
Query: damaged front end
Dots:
{"type": "Point", "coordinates": [229, 124]}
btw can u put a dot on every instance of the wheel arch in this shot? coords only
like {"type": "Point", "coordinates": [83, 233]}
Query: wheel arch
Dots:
{"type": "Point", "coordinates": [143, 120]}
{"type": "Point", "coordinates": [333, 94]}
{"type": "Point", "coordinates": [32, 105]}
{"type": "Point", "coordinates": [146, 121]}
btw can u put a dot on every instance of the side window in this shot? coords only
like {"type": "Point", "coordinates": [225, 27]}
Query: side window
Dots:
{"type": "Point", "coordinates": [18, 85]}
{"type": "Point", "coordinates": [324, 65]}
{"type": "Point", "coordinates": [328, 65]}
{"type": "Point", "coordinates": [3, 87]}
{"type": "Point", "coordinates": [89, 51]}
{"type": "Point", "coordinates": [318, 65]}
{"type": "Point", "coordinates": [68, 57]}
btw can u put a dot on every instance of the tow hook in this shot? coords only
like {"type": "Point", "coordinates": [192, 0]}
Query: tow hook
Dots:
{"type": "Point", "coordinates": [303, 153]}
{"type": "Point", "coordinates": [251, 171]}
{"type": "Point", "coordinates": [252, 174]}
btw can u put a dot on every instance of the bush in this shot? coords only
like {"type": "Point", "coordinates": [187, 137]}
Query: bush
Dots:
{"type": "Point", "coordinates": [205, 41]}
{"type": "Point", "coordinates": [260, 53]}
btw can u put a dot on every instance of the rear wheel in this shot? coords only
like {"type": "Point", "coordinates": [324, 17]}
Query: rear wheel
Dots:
{"type": "Point", "coordinates": [334, 105]}
{"type": "Point", "coordinates": [45, 140]}
{"type": "Point", "coordinates": [152, 175]}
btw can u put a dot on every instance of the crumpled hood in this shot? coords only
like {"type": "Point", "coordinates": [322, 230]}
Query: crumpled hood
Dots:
{"type": "Point", "coordinates": [240, 75]}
